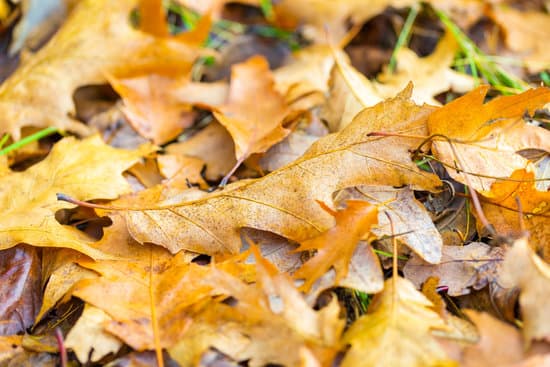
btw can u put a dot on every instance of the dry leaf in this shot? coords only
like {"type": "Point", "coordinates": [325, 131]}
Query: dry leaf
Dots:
{"type": "Point", "coordinates": [87, 338]}
{"type": "Point", "coordinates": [284, 202]}
{"type": "Point", "coordinates": [396, 331]}
{"type": "Point", "coordinates": [486, 137]}
{"type": "Point", "coordinates": [431, 75]}
{"type": "Point", "coordinates": [525, 34]}
{"type": "Point", "coordinates": [254, 112]}
{"type": "Point", "coordinates": [336, 246]}
{"type": "Point", "coordinates": [96, 38]}
{"type": "Point", "coordinates": [181, 171]}
{"type": "Point", "coordinates": [462, 267]}
{"type": "Point", "coordinates": [524, 269]}
{"type": "Point", "coordinates": [213, 145]}
{"type": "Point", "coordinates": [20, 289]}
{"type": "Point", "coordinates": [286, 151]}
{"type": "Point", "coordinates": [533, 214]}
{"type": "Point", "coordinates": [412, 225]}
{"type": "Point", "coordinates": [84, 170]}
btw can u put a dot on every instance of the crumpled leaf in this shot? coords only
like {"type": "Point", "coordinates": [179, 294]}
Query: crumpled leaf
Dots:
{"type": "Point", "coordinates": [412, 225]}
{"type": "Point", "coordinates": [336, 246]}
{"type": "Point", "coordinates": [20, 289]}
{"type": "Point", "coordinates": [269, 317]}
{"type": "Point", "coordinates": [97, 38]}
{"type": "Point", "coordinates": [525, 34]}
{"type": "Point", "coordinates": [284, 202]}
{"type": "Point", "coordinates": [254, 112]}
{"type": "Point", "coordinates": [88, 339]}
{"type": "Point", "coordinates": [486, 137]}
{"type": "Point", "coordinates": [396, 331]}
{"type": "Point", "coordinates": [84, 170]}
{"type": "Point", "coordinates": [431, 75]}
{"type": "Point", "coordinates": [461, 268]}
{"type": "Point", "coordinates": [502, 210]}
{"type": "Point", "coordinates": [524, 269]}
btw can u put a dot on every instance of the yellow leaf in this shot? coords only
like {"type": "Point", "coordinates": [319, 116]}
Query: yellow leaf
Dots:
{"type": "Point", "coordinates": [396, 331]}
{"type": "Point", "coordinates": [97, 38]}
{"type": "Point", "coordinates": [284, 201]}
{"type": "Point", "coordinates": [85, 170]}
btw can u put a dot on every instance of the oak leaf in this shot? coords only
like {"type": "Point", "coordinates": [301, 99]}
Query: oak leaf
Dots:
{"type": "Point", "coordinates": [97, 38]}
{"type": "Point", "coordinates": [336, 246]}
{"type": "Point", "coordinates": [254, 112]}
{"type": "Point", "coordinates": [524, 269]}
{"type": "Point", "coordinates": [396, 331]}
{"type": "Point", "coordinates": [486, 137]}
{"type": "Point", "coordinates": [85, 170]}
{"type": "Point", "coordinates": [284, 202]}
{"type": "Point", "coordinates": [515, 205]}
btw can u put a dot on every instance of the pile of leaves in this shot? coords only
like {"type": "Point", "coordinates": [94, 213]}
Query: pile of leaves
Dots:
{"type": "Point", "coordinates": [295, 183]}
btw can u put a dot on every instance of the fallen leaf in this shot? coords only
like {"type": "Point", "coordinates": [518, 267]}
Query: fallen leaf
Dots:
{"type": "Point", "coordinates": [533, 213]}
{"type": "Point", "coordinates": [87, 338]}
{"type": "Point", "coordinates": [524, 269]}
{"type": "Point", "coordinates": [411, 223]}
{"type": "Point", "coordinates": [97, 38]}
{"type": "Point", "coordinates": [254, 112]}
{"type": "Point", "coordinates": [286, 151]}
{"type": "Point", "coordinates": [396, 330]}
{"type": "Point", "coordinates": [10, 346]}
{"type": "Point", "coordinates": [336, 246]}
{"type": "Point", "coordinates": [84, 170]}
{"type": "Point", "coordinates": [431, 75]}
{"type": "Point", "coordinates": [284, 202]}
{"type": "Point", "coordinates": [218, 161]}
{"type": "Point", "coordinates": [525, 33]}
{"type": "Point", "coordinates": [461, 268]}
{"type": "Point", "coordinates": [20, 287]}
{"type": "Point", "coordinates": [486, 137]}
{"type": "Point", "coordinates": [181, 171]}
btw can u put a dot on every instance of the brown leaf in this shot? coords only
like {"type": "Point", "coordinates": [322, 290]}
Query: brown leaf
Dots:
{"type": "Point", "coordinates": [336, 246]}
{"type": "Point", "coordinates": [461, 268]}
{"type": "Point", "coordinates": [284, 202]}
{"type": "Point", "coordinates": [396, 331]}
{"type": "Point", "coordinates": [486, 137]}
{"type": "Point", "coordinates": [181, 171]}
{"type": "Point", "coordinates": [524, 269]}
{"type": "Point", "coordinates": [20, 289]}
{"type": "Point", "coordinates": [97, 38]}
{"type": "Point", "coordinates": [254, 112]}
{"type": "Point", "coordinates": [533, 214]}
{"type": "Point", "coordinates": [84, 170]}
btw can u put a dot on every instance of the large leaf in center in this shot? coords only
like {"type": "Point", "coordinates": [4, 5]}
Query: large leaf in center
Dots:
{"type": "Point", "coordinates": [284, 201]}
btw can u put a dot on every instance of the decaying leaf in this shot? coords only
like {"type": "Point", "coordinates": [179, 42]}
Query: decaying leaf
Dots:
{"type": "Point", "coordinates": [396, 331]}
{"type": "Point", "coordinates": [532, 214]}
{"type": "Point", "coordinates": [284, 202]}
{"type": "Point", "coordinates": [486, 137]}
{"type": "Point", "coordinates": [85, 170]}
{"type": "Point", "coordinates": [524, 269]}
{"type": "Point", "coordinates": [20, 288]}
{"type": "Point", "coordinates": [461, 268]}
{"type": "Point", "coordinates": [525, 34]}
{"type": "Point", "coordinates": [336, 246]}
{"type": "Point", "coordinates": [254, 112]}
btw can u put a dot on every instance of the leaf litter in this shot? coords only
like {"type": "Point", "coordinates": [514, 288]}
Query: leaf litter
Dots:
{"type": "Point", "coordinates": [294, 207]}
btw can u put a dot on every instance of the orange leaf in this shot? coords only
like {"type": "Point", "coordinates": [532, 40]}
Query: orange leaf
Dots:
{"type": "Point", "coordinates": [152, 18]}
{"type": "Point", "coordinates": [487, 136]}
{"type": "Point", "coordinates": [255, 110]}
{"type": "Point", "coordinates": [335, 247]}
